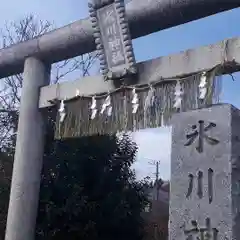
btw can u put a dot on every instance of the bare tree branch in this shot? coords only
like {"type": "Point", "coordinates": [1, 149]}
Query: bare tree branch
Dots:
{"type": "Point", "coordinates": [10, 92]}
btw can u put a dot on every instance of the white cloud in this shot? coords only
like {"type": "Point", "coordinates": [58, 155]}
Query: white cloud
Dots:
{"type": "Point", "coordinates": [154, 144]}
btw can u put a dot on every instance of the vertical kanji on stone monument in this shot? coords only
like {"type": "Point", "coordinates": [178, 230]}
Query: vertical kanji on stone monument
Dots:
{"type": "Point", "coordinates": [199, 132]}
{"type": "Point", "coordinates": [112, 38]}
{"type": "Point", "coordinates": [205, 232]}
{"type": "Point", "coordinates": [204, 196]}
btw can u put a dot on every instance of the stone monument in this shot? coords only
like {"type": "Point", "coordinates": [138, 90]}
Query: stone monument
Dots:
{"type": "Point", "coordinates": [205, 174]}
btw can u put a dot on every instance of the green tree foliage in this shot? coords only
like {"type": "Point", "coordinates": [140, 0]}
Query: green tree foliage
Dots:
{"type": "Point", "coordinates": [5, 183]}
{"type": "Point", "coordinates": [88, 190]}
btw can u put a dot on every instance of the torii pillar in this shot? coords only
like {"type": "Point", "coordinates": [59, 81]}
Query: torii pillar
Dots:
{"type": "Point", "coordinates": [24, 196]}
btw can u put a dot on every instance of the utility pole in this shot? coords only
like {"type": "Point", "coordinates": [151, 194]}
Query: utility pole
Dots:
{"type": "Point", "coordinates": [157, 164]}
{"type": "Point", "coordinates": [157, 170]}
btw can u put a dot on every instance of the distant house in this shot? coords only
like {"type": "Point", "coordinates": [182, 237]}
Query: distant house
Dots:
{"type": "Point", "coordinates": [157, 213]}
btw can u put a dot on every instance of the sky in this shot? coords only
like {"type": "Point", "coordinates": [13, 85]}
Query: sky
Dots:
{"type": "Point", "coordinates": [154, 144]}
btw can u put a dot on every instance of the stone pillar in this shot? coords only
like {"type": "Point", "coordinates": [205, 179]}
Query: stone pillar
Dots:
{"type": "Point", "coordinates": [27, 167]}
{"type": "Point", "coordinates": [205, 174]}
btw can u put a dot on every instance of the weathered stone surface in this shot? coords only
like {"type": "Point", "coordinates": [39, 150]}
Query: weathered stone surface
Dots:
{"type": "Point", "coordinates": [205, 174]}
{"type": "Point", "coordinates": [100, 3]}
{"type": "Point", "coordinates": [112, 38]}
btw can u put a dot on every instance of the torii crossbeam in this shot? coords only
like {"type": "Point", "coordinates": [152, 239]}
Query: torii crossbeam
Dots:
{"type": "Point", "coordinates": [34, 59]}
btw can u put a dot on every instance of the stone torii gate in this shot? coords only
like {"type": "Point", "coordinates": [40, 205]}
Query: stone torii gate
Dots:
{"type": "Point", "coordinates": [34, 59]}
